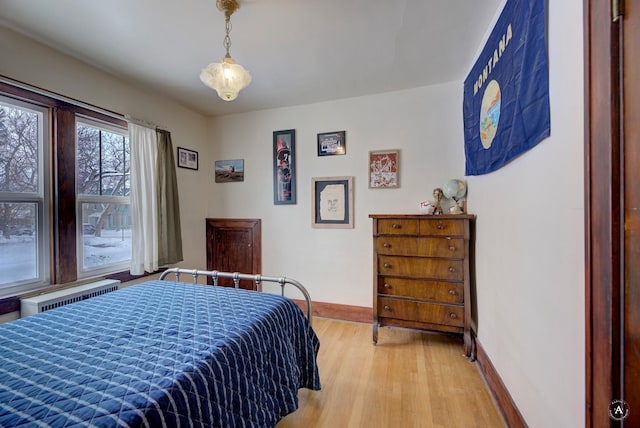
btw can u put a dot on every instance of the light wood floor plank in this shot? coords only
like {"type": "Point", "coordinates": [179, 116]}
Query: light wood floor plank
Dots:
{"type": "Point", "coordinates": [410, 379]}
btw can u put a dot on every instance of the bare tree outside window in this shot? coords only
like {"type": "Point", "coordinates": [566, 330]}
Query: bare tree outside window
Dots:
{"type": "Point", "coordinates": [103, 193]}
{"type": "Point", "coordinates": [21, 194]}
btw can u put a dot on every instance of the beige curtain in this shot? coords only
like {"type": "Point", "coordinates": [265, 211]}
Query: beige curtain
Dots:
{"type": "Point", "coordinates": [144, 215]}
{"type": "Point", "coordinates": [169, 232]}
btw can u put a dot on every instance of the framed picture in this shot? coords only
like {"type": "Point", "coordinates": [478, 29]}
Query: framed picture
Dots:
{"type": "Point", "coordinates": [332, 143]}
{"type": "Point", "coordinates": [284, 170]}
{"type": "Point", "coordinates": [332, 202]}
{"type": "Point", "coordinates": [384, 169]}
{"type": "Point", "coordinates": [228, 171]}
{"type": "Point", "coordinates": [187, 158]}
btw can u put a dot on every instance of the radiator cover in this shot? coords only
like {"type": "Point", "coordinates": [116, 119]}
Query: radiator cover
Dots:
{"type": "Point", "coordinates": [44, 302]}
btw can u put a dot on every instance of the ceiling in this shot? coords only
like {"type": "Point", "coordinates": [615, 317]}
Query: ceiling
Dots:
{"type": "Point", "coordinates": [297, 51]}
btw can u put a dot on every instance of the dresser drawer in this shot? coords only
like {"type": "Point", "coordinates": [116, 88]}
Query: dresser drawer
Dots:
{"type": "Point", "coordinates": [437, 291]}
{"type": "Point", "coordinates": [428, 247]}
{"type": "Point", "coordinates": [397, 226]}
{"type": "Point", "coordinates": [421, 267]}
{"type": "Point", "coordinates": [443, 227]}
{"type": "Point", "coordinates": [421, 311]}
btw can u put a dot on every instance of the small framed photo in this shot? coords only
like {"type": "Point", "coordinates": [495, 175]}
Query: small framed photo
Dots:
{"type": "Point", "coordinates": [332, 143]}
{"type": "Point", "coordinates": [229, 171]}
{"type": "Point", "coordinates": [384, 169]}
{"type": "Point", "coordinates": [284, 167]}
{"type": "Point", "coordinates": [332, 202]}
{"type": "Point", "coordinates": [187, 158]}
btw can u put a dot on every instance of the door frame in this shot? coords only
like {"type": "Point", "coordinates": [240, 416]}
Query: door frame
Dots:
{"type": "Point", "coordinates": [603, 213]}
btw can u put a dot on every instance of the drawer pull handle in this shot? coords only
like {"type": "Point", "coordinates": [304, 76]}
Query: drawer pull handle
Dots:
{"type": "Point", "coordinates": [453, 316]}
{"type": "Point", "coordinates": [387, 308]}
{"type": "Point", "coordinates": [387, 286]}
{"type": "Point", "coordinates": [452, 248]}
{"type": "Point", "coordinates": [440, 226]}
{"type": "Point", "coordinates": [396, 226]}
{"type": "Point", "coordinates": [387, 265]}
{"type": "Point", "coordinates": [386, 245]}
{"type": "Point", "coordinates": [452, 269]}
{"type": "Point", "coordinates": [452, 292]}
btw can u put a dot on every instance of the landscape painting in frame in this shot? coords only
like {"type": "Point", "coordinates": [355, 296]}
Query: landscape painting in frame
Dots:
{"type": "Point", "coordinates": [384, 169]}
{"type": "Point", "coordinates": [228, 171]}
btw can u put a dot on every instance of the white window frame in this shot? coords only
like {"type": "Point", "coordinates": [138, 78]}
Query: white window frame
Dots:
{"type": "Point", "coordinates": [84, 199]}
{"type": "Point", "coordinates": [41, 198]}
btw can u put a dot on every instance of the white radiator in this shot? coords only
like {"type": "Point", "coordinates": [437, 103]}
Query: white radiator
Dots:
{"type": "Point", "coordinates": [44, 302]}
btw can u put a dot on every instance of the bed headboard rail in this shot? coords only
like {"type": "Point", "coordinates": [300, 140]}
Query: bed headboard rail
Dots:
{"type": "Point", "coordinates": [236, 276]}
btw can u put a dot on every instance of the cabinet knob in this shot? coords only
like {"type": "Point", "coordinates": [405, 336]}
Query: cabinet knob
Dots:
{"type": "Point", "coordinates": [453, 316]}
{"type": "Point", "coordinates": [452, 269]}
{"type": "Point", "coordinates": [387, 265]}
{"type": "Point", "coordinates": [387, 286]}
{"type": "Point", "coordinates": [395, 226]}
{"type": "Point", "coordinates": [452, 292]}
{"type": "Point", "coordinates": [440, 226]}
{"type": "Point", "coordinates": [386, 245]}
{"type": "Point", "coordinates": [452, 248]}
{"type": "Point", "coordinates": [387, 308]}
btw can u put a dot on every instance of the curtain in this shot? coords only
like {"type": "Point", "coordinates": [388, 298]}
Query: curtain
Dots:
{"type": "Point", "coordinates": [155, 208]}
{"type": "Point", "coordinates": [169, 233]}
{"type": "Point", "coordinates": [144, 209]}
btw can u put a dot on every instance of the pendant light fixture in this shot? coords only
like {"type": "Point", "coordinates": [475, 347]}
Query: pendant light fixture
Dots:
{"type": "Point", "coordinates": [226, 77]}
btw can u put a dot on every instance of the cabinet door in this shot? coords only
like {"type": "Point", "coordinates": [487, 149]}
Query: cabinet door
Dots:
{"type": "Point", "coordinates": [233, 245]}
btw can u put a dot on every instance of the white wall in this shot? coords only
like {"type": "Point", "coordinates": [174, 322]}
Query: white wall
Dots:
{"type": "Point", "coordinates": [530, 215]}
{"type": "Point", "coordinates": [336, 264]}
{"type": "Point", "coordinates": [530, 248]}
{"type": "Point", "coordinates": [27, 61]}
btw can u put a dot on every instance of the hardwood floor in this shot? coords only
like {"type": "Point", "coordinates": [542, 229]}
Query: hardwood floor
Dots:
{"type": "Point", "coordinates": [410, 379]}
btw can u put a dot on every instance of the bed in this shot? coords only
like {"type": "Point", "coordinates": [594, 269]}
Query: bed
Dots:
{"type": "Point", "coordinates": [164, 353]}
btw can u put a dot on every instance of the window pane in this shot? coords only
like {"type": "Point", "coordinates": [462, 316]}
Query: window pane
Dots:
{"type": "Point", "coordinates": [106, 234]}
{"type": "Point", "coordinates": [115, 164]}
{"type": "Point", "coordinates": [88, 160]}
{"type": "Point", "coordinates": [18, 150]}
{"type": "Point", "coordinates": [18, 242]}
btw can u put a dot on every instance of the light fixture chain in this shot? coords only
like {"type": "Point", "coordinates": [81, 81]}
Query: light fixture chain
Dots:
{"type": "Point", "coordinates": [227, 40]}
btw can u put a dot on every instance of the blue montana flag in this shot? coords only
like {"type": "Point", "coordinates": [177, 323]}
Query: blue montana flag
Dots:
{"type": "Point", "coordinates": [506, 94]}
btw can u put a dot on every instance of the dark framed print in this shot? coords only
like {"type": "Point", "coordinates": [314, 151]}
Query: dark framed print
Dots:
{"type": "Point", "coordinates": [332, 201]}
{"type": "Point", "coordinates": [284, 170]}
{"type": "Point", "coordinates": [384, 169]}
{"type": "Point", "coordinates": [332, 143]}
{"type": "Point", "coordinates": [187, 158]}
{"type": "Point", "coordinates": [229, 171]}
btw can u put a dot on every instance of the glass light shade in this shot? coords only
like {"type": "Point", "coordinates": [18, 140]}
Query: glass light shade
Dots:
{"type": "Point", "coordinates": [226, 77]}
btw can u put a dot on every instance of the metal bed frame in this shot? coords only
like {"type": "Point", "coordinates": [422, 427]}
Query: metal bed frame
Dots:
{"type": "Point", "coordinates": [236, 277]}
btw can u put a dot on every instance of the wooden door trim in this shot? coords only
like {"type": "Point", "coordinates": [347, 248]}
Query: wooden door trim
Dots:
{"type": "Point", "coordinates": [242, 223]}
{"type": "Point", "coordinates": [602, 211]}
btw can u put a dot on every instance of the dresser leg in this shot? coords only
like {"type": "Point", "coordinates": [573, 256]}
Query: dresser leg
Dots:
{"type": "Point", "coordinates": [375, 333]}
{"type": "Point", "coordinates": [469, 347]}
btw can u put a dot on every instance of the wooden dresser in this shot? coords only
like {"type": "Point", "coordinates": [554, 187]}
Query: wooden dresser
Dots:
{"type": "Point", "coordinates": [422, 273]}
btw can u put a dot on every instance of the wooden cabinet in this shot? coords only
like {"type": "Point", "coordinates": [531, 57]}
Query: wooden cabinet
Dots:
{"type": "Point", "coordinates": [234, 245]}
{"type": "Point", "coordinates": [422, 273]}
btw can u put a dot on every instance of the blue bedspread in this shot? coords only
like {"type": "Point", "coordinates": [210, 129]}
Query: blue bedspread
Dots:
{"type": "Point", "coordinates": [158, 354]}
